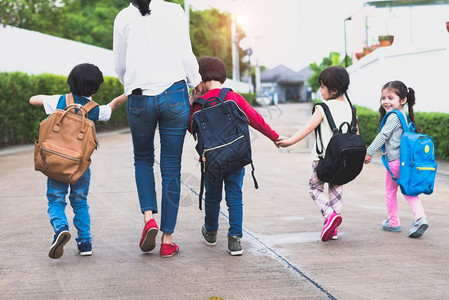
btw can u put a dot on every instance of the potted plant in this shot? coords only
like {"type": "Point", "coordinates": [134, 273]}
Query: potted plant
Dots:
{"type": "Point", "coordinates": [386, 40]}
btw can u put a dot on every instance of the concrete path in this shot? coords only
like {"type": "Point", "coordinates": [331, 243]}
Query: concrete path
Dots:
{"type": "Point", "coordinates": [283, 258]}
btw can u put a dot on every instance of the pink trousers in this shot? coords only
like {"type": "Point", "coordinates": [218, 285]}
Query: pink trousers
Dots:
{"type": "Point", "coordinates": [391, 188]}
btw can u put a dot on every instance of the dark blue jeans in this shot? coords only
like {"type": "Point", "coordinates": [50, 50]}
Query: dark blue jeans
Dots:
{"type": "Point", "coordinates": [233, 183]}
{"type": "Point", "coordinates": [56, 194]}
{"type": "Point", "coordinates": [169, 110]}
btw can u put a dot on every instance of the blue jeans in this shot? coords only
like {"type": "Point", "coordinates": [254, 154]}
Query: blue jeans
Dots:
{"type": "Point", "coordinates": [170, 110]}
{"type": "Point", "coordinates": [56, 194]}
{"type": "Point", "coordinates": [233, 183]}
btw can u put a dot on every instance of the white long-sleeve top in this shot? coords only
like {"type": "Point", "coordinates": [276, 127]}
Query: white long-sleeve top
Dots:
{"type": "Point", "coordinates": [152, 52]}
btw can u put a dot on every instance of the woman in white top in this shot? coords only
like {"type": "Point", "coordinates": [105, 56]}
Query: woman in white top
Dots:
{"type": "Point", "coordinates": [154, 60]}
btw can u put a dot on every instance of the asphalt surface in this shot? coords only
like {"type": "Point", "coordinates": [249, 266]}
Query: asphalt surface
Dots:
{"type": "Point", "coordinates": [283, 258]}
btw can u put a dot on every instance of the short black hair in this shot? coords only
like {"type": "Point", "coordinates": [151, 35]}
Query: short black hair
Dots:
{"type": "Point", "coordinates": [334, 78]}
{"type": "Point", "coordinates": [212, 68]}
{"type": "Point", "coordinates": [85, 79]}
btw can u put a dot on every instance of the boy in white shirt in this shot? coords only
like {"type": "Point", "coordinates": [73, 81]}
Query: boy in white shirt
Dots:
{"type": "Point", "coordinates": [84, 80]}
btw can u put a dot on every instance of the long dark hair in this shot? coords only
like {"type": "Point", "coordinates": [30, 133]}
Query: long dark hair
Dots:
{"type": "Point", "coordinates": [400, 89]}
{"type": "Point", "coordinates": [143, 6]}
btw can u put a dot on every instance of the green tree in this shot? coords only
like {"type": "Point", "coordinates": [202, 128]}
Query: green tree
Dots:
{"type": "Point", "coordinates": [210, 33]}
{"type": "Point", "coordinates": [92, 21]}
{"type": "Point", "coordinates": [332, 60]}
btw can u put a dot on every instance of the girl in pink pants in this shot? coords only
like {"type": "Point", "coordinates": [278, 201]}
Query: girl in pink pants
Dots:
{"type": "Point", "coordinates": [395, 95]}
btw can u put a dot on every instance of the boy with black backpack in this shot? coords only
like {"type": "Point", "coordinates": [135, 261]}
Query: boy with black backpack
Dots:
{"type": "Point", "coordinates": [84, 80]}
{"type": "Point", "coordinates": [331, 119]}
{"type": "Point", "coordinates": [213, 73]}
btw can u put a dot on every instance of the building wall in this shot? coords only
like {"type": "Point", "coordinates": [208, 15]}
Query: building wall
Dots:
{"type": "Point", "coordinates": [424, 68]}
{"type": "Point", "coordinates": [36, 53]}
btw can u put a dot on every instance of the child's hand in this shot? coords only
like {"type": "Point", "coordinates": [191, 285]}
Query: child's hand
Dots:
{"type": "Point", "coordinates": [368, 159]}
{"type": "Point", "coordinates": [284, 142]}
{"type": "Point", "coordinates": [280, 138]}
{"type": "Point", "coordinates": [117, 101]}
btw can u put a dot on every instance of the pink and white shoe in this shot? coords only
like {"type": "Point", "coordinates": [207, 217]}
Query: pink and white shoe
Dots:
{"type": "Point", "coordinates": [335, 236]}
{"type": "Point", "coordinates": [330, 224]}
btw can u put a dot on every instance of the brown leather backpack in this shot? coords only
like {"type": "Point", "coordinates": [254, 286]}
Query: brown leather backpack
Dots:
{"type": "Point", "coordinates": [66, 141]}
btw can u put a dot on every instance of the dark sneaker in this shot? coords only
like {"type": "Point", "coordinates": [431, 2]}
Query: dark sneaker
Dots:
{"type": "Point", "coordinates": [234, 246]}
{"type": "Point", "coordinates": [62, 236]}
{"type": "Point", "coordinates": [210, 237]}
{"type": "Point", "coordinates": [85, 248]}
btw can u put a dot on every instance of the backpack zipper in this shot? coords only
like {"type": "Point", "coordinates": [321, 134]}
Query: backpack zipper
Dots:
{"type": "Point", "coordinates": [425, 168]}
{"type": "Point", "coordinates": [203, 157]}
{"type": "Point", "coordinates": [44, 158]}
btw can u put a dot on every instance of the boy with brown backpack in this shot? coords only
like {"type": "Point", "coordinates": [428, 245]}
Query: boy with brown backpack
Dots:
{"type": "Point", "coordinates": [60, 152]}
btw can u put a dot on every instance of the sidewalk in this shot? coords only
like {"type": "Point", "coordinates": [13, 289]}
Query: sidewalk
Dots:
{"type": "Point", "coordinates": [283, 258]}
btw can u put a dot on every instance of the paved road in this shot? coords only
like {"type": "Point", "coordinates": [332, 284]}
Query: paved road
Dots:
{"type": "Point", "coordinates": [283, 258]}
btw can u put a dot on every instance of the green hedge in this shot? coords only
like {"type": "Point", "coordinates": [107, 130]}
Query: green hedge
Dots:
{"type": "Point", "coordinates": [20, 120]}
{"type": "Point", "coordinates": [433, 124]}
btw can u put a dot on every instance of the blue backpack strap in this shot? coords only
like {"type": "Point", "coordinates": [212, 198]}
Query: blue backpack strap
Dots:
{"type": "Point", "coordinates": [406, 129]}
{"type": "Point", "coordinates": [223, 93]}
{"type": "Point", "coordinates": [199, 101]}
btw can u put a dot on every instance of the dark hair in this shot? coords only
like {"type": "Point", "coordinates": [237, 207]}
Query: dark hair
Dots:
{"type": "Point", "coordinates": [212, 68]}
{"type": "Point", "coordinates": [85, 79]}
{"type": "Point", "coordinates": [143, 6]}
{"type": "Point", "coordinates": [400, 89]}
{"type": "Point", "coordinates": [336, 79]}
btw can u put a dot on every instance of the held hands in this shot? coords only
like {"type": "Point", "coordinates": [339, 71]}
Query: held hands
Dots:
{"type": "Point", "coordinates": [284, 141]}
{"type": "Point", "coordinates": [368, 159]}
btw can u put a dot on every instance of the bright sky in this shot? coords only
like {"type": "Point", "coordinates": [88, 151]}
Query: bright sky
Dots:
{"type": "Point", "coordinates": [289, 32]}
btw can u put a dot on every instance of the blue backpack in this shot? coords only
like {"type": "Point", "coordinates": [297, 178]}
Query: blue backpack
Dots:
{"type": "Point", "coordinates": [417, 159]}
{"type": "Point", "coordinates": [224, 145]}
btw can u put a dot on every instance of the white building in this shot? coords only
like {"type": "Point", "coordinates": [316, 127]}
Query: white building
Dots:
{"type": "Point", "coordinates": [33, 52]}
{"type": "Point", "coordinates": [419, 55]}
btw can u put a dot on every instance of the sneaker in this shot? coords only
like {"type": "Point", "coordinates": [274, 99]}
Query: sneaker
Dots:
{"type": "Point", "coordinates": [168, 250]}
{"type": "Point", "coordinates": [62, 236]}
{"type": "Point", "coordinates": [418, 228]}
{"type": "Point", "coordinates": [335, 236]}
{"type": "Point", "coordinates": [85, 248]}
{"type": "Point", "coordinates": [388, 227]}
{"type": "Point", "coordinates": [234, 246]}
{"type": "Point", "coordinates": [330, 224]}
{"type": "Point", "coordinates": [148, 239]}
{"type": "Point", "coordinates": [210, 237]}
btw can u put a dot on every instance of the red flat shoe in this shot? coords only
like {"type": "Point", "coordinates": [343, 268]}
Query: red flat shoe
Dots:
{"type": "Point", "coordinates": [148, 240]}
{"type": "Point", "coordinates": [168, 250]}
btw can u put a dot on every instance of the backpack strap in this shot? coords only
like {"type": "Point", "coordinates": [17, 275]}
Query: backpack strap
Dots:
{"type": "Point", "coordinates": [331, 121]}
{"type": "Point", "coordinates": [200, 195]}
{"type": "Point", "coordinates": [69, 100]}
{"type": "Point", "coordinates": [406, 129]}
{"type": "Point", "coordinates": [318, 128]}
{"type": "Point", "coordinates": [223, 93]}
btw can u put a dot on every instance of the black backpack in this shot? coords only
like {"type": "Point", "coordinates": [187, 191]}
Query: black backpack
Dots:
{"type": "Point", "coordinates": [345, 153]}
{"type": "Point", "coordinates": [224, 145]}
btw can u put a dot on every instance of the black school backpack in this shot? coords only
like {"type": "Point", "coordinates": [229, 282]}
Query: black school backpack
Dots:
{"type": "Point", "coordinates": [345, 153]}
{"type": "Point", "coordinates": [224, 145]}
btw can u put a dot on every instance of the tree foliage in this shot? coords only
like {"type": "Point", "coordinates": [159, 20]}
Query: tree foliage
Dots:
{"type": "Point", "coordinates": [332, 60]}
{"type": "Point", "coordinates": [92, 21]}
